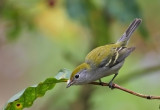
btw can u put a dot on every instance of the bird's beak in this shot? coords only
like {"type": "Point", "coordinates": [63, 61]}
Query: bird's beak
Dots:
{"type": "Point", "coordinates": [69, 83]}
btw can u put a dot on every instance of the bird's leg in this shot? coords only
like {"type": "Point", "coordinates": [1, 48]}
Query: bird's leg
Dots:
{"type": "Point", "coordinates": [100, 82]}
{"type": "Point", "coordinates": [110, 84]}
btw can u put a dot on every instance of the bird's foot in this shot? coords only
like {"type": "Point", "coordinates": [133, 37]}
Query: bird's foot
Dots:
{"type": "Point", "coordinates": [100, 83]}
{"type": "Point", "coordinates": [111, 85]}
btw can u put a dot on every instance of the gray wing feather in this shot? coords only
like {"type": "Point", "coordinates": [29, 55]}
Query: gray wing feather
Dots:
{"type": "Point", "coordinates": [121, 55]}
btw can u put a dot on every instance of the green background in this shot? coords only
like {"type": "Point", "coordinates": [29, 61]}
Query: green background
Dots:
{"type": "Point", "coordinates": [40, 37]}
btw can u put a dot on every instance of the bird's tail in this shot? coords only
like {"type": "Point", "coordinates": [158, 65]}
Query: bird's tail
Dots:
{"type": "Point", "coordinates": [126, 36]}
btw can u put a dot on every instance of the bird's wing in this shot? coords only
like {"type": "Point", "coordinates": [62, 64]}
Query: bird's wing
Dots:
{"type": "Point", "coordinates": [100, 55]}
{"type": "Point", "coordinates": [108, 55]}
{"type": "Point", "coordinates": [120, 54]}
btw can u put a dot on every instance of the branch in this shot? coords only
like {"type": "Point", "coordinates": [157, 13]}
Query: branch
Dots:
{"type": "Point", "coordinates": [126, 90]}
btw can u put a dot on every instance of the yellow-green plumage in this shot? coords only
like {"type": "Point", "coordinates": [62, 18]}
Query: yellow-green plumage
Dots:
{"type": "Point", "coordinates": [97, 55]}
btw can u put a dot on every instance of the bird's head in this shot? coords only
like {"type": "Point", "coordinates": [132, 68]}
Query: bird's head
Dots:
{"type": "Point", "coordinates": [78, 76]}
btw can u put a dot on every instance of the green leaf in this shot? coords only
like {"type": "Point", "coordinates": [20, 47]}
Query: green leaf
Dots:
{"type": "Point", "coordinates": [63, 74]}
{"type": "Point", "coordinates": [26, 97]}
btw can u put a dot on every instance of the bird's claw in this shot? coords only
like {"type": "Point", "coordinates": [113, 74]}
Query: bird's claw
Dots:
{"type": "Point", "coordinates": [100, 83]}
{"type": "Point", "coordinates": [110, 84]}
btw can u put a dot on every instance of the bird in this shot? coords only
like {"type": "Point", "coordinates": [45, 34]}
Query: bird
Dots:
{"type": "Point", "coordinates": [104, 60]}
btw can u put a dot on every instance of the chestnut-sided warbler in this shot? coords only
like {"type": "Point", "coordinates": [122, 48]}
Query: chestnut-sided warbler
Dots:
{"type": "Point", "coordinates": [104, 60]}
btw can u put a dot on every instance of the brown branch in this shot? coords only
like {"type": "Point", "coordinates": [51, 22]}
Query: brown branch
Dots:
{"type": "Point", "coordinates": [115, 86]}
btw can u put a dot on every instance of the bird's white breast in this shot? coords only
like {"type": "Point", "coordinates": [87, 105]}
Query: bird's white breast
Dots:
{"type": "Point", "coordinates": [99, 73]}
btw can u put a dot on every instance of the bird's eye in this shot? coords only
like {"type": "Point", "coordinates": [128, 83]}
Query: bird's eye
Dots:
{"type": "Point", "coordinates": [76, 76]}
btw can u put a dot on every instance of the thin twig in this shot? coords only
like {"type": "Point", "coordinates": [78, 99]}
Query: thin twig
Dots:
{"type": "Point", "coordinates": [126, 90]}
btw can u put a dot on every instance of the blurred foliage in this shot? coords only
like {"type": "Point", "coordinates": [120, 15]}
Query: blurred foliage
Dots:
{"type": "Point", "coordinates": [72, 25]}
{"type": "Point", "coordinates": [19, 14]}
{"type": "Point", "coordinates": [125, 11]}
{"type": "Point", "coordinates": [98, 16]}
{"type": "Point", "coordinates": [91, 16]}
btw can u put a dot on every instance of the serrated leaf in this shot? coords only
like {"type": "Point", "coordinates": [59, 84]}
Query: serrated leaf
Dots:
{"type": "Point", "coordinates": [26, 97]}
